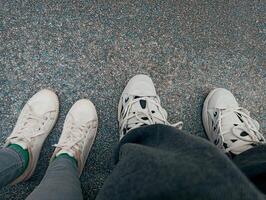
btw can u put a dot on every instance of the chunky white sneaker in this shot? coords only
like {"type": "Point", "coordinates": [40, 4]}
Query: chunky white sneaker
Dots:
{"type": "Point", "coordinates": [79, 132]}
{"type": "Point", "coordinates": [227, 125]}
{"type": "Point", "coordinates": [140, 105]}
{"type": "Point", "coordinates": [34, 124]}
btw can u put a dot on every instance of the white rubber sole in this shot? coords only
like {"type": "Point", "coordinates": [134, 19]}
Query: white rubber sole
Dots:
{"type": "Point", "coordinates": [205, 118]}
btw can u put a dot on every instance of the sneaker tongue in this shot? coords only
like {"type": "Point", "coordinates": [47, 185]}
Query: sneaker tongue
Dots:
{"type": "Point", "coordinates": [230, 121]}
{"type": "Point", "coordinates": [230, 124]}
{"type": "Point", "coordinates": [142, 109]}
{"type": "Point", "coordinates": [241, 145]}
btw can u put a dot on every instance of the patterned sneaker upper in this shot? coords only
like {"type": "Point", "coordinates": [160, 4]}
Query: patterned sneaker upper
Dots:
{"type": "Point", "coordinates": [229, 126]}
{"type": "Point", "coordinates": [35, 122]}
{"type": "Point", "coordinates": [79, 132]}
{"type": "Point", "coordinates": [140, 105]}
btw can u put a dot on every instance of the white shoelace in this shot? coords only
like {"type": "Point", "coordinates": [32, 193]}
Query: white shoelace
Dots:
{"type": "Point", "coordinates": [75, 136]}
{"type": "Point", "coordinates": [30, 126]}
{"type": "Point", "coordinates": [138, 115]}
{"type": "Point", "coordinates": [248, 126]}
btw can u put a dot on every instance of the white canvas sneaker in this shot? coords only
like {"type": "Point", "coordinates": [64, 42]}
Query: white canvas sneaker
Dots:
{"type": "Point", "coordinates": [34, 124]}
{"type": "Point", "coordinates": [227, 125]}
{"type": "Point", "coordinates": [140, 105]}
{"type": "Point", "coordinates": [79, 132]}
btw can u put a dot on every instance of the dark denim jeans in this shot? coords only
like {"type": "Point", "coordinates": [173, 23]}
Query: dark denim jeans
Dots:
{"type": "Point", "coordinates": [61, 180]}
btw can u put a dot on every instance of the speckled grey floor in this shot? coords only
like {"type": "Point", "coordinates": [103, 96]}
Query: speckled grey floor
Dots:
{"type": "Point", "coordinates": [89, 49]}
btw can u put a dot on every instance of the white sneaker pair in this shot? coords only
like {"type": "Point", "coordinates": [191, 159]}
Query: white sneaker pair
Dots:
{"type": "Point", "coordinates": [227, 125]}
{"type": "Point", "coordinates": [139, 105]}
{"type": "Point", "coordinates": [36, 121]}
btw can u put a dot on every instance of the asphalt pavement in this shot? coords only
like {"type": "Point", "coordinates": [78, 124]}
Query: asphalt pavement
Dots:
{"type": "Point", "coordinates": [90, 49]}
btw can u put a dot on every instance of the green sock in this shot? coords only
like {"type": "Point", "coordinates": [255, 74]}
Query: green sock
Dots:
{"type": "Point", "coordinates": [65, 155]}
{"type": "Point", "coordinates": [23, 152]}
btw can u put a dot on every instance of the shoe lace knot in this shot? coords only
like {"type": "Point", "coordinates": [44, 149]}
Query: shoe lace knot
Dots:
{"type": "Point", "coordinates": [247, 130]}
{"type": "Point", "coordinates": [31, 125]}
{"type": "Point", "coordinates": [76, 134]}
{"type": "Point", "coordinates": [143, 111]}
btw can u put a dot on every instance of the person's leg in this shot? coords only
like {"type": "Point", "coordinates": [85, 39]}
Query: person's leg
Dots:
{"type": "Point", "coordinates": [233, 131]}
{"type": "Point", "coordinates": [160, 162]}
{"type": "Point", "coordinates": [13, 164]}
{"type": "Point", "coordinates": [19, 156]}
{"type": "Point", "coordinates": [253, 164]}
{"type": "Point", "coordinates": [61, 180]}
